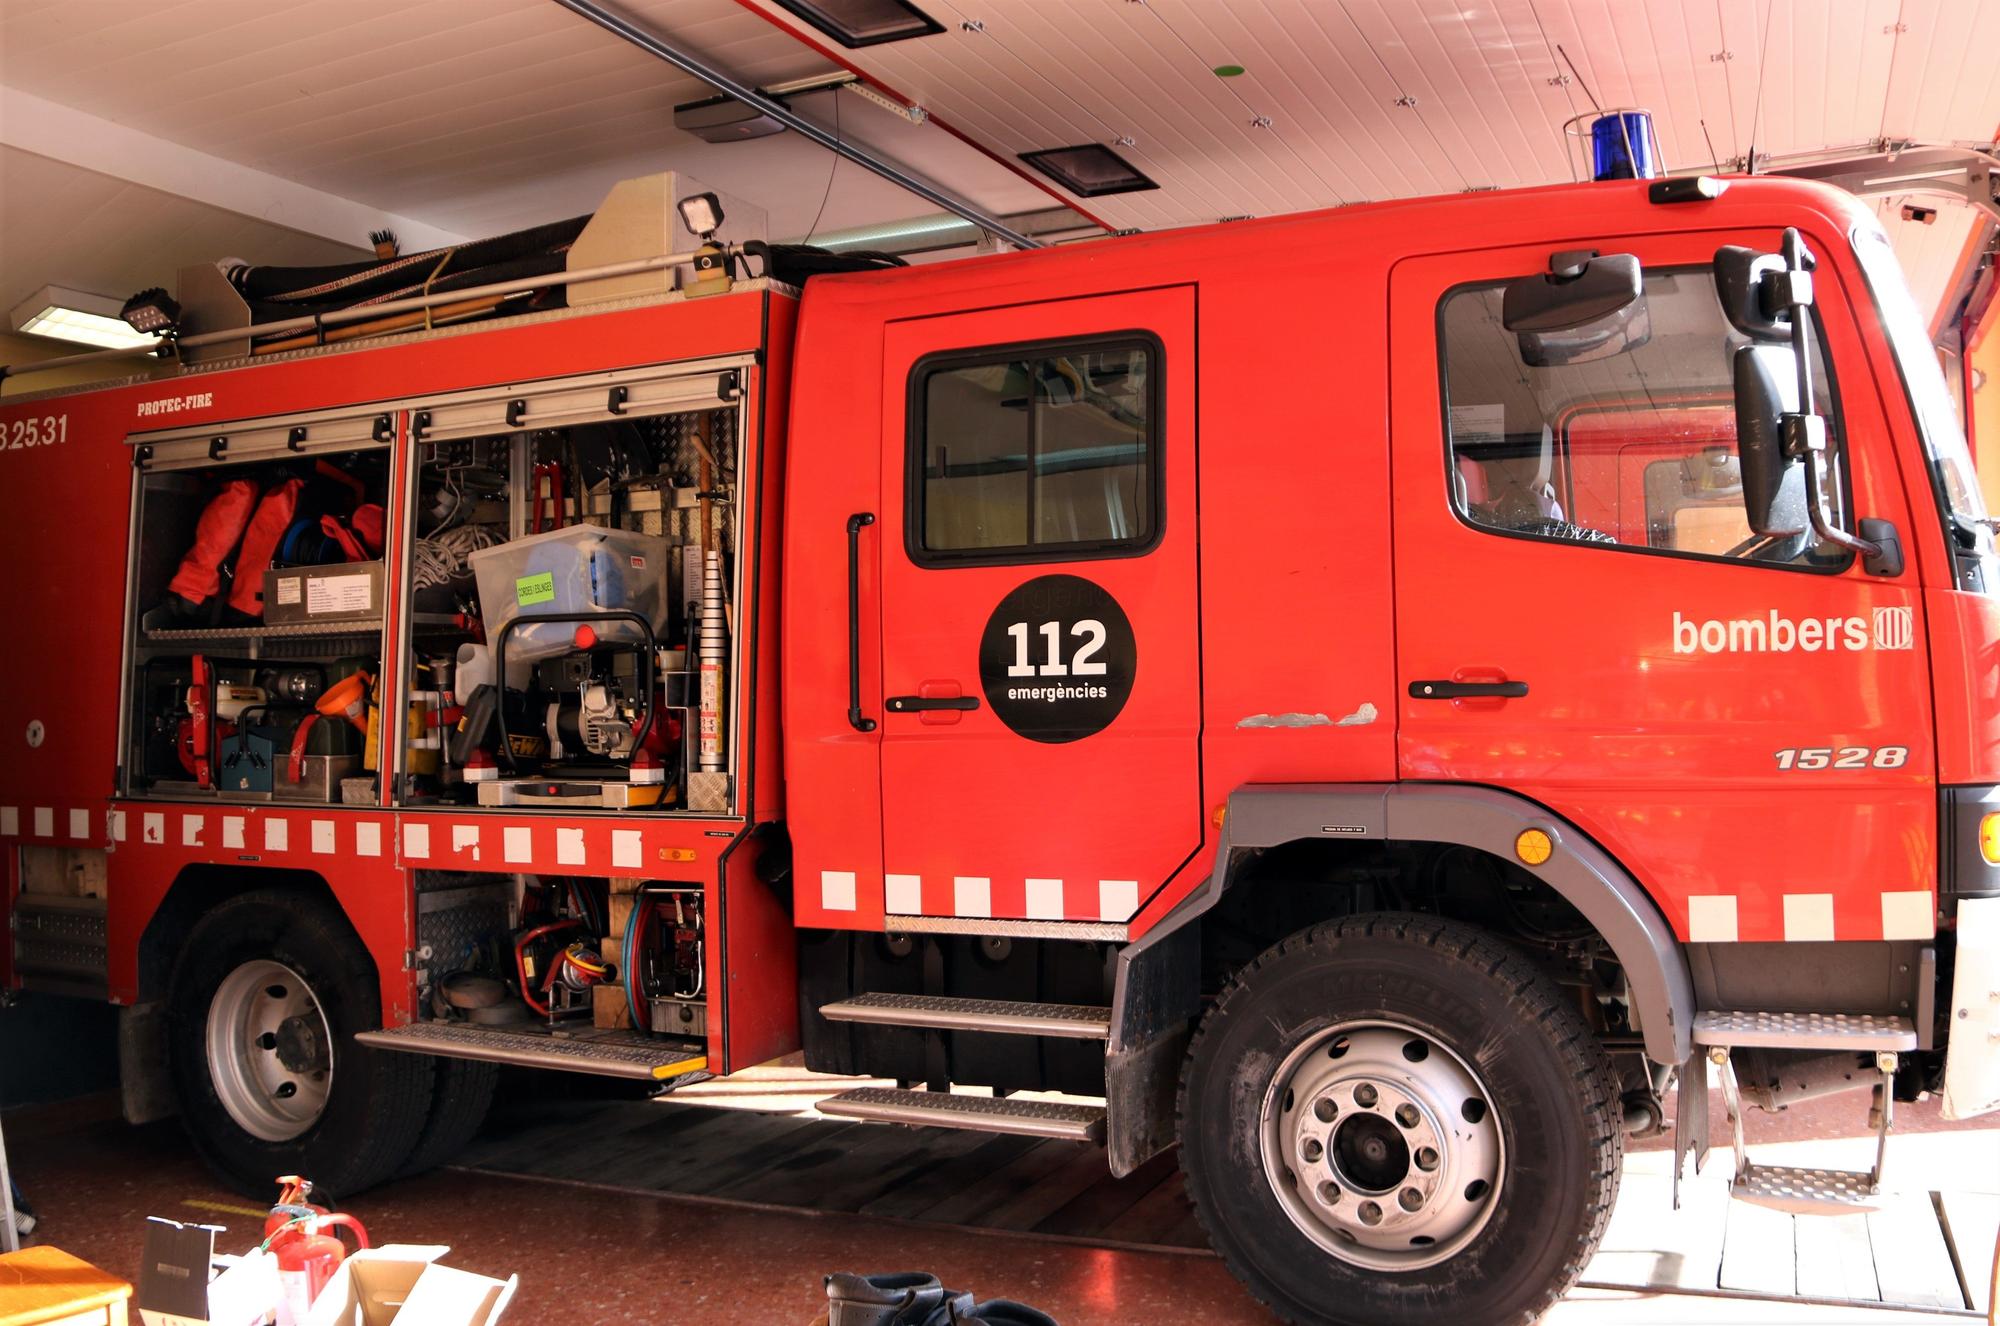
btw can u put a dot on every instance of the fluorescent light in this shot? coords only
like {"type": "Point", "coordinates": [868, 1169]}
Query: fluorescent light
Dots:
{"type": "Point", "coordinates": [72, 315]}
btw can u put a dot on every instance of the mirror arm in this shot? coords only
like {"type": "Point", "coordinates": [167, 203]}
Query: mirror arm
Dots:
{"type": "Point", "coordinates": [1822, 521]}
{"type": "Point", "coordinates": [1805, 432]}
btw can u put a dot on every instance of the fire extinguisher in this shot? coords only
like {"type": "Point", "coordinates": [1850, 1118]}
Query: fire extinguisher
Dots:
{"type": "Point", "coordinates": [296, 1233]}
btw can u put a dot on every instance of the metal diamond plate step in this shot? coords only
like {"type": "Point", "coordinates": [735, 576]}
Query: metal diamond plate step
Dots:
{"type": "Point", "coordinates": [1076, 1021]}
{"type": "Point", "coordinates": [606, 1053]}
{"type": "Point", "coordinates": [1805, 1031]}
{"type": "Point", "coordinates": [1807, 1191]}
{"type": "Point", "coordinates": [938, 1109]}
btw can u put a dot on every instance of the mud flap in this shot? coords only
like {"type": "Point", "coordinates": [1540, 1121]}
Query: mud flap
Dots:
{"type": "Point", "coordinates": [1691, 1117]}
{"type": "Point", "coordinates": [1972, 1056]}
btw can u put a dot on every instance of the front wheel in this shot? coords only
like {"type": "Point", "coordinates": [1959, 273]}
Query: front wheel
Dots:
{"type": "Point", "coordinates": [1397, 1118]}
{"type": "Point", "coordinates": [262, 1010]}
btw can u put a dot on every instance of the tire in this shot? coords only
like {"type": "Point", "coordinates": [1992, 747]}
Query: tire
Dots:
{"type": "Point", "coordinates": [461, 1093]}
{"type": "Point", "coordinates": [290, 963]}
{"type": "Point", "coordinates": [1399, 1039]}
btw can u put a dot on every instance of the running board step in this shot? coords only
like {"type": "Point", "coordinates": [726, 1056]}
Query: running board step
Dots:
{"type": "Point", "coordinates": [988, 1114]}
{"type": "Point", "coordinates": [607, 1053]}
{"type": "Point", "coordinates": [1807, 1191]}
{"type": "Point", "coordinates": [1806, 1031]}
{"type": "Point", "coordinates": [1075, 1021]}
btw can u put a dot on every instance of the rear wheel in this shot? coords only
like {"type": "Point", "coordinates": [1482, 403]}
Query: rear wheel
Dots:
{"type": "Point", "coordinates": [1390, 1117]}
{"type": "Point", "coordinates": [262, 1010]}
{"type": "Point", "coordinates": [460, 1096]}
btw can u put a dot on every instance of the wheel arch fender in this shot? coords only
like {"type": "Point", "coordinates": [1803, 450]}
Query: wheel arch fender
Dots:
{"type": "Point", "coordinates": [199, 889]}
{"type": "Point", "coordinates": [1484, 818]}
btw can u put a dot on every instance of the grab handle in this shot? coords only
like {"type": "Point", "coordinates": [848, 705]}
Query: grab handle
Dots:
{"type": "Point", "coordinates": [855, 524]}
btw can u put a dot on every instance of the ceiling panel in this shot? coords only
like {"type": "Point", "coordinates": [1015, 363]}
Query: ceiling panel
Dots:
{"type": "Point", "coordinates": [1350, 100]}
{"type": "Point", "coordinates": [485, 115]}
{"type": "Point", "coordinates": [60, 225]}
{"type": "Point", "coordinates": [476, 117]}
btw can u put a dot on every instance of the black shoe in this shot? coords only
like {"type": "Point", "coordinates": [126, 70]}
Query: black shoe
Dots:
{"type": "Point", "coordinates": [899, 1298]}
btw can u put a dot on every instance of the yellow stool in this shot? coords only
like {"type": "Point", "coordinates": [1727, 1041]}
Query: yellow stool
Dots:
{"type": "Point", "coordinates": [46, 1287]}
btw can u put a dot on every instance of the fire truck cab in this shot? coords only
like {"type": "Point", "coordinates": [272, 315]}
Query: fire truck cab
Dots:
{"type": "Point", "coordinates": [1379, 698]}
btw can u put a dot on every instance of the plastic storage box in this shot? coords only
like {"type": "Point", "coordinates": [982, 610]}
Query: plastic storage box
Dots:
{"type": "Point", "coordinates": [580, 569]}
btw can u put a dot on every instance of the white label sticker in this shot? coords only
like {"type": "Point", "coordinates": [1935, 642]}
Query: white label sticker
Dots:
{"type": "Point", "coordinates": [331, 594]}
{"type": "Point", "coordinates": [288, 588]}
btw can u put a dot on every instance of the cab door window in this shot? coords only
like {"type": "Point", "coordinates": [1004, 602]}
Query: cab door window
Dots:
{"type": "Point", "coordinates": [1035, 453]}
{"type": "Point", "coordinates": [1631, 444]}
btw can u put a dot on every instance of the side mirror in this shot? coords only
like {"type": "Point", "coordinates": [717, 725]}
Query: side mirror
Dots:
{"type": "Point", "coordinates": [1746, 295]}
{"type": "Point", "coordinates": [1774, 487]}
{"type": "Point", "coordinates": [1585, 307]}
{"type": "Point", "coordinates": [1762, 293]}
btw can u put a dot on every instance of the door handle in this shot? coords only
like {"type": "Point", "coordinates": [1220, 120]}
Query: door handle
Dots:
{"type": "Point", "coordinates": [936, 703]}
{"type": "Point", "coordinates": [1467, 690]}
{"type": "Point", "coordinates": [855, 524]}
{"type": "Point", "coordinates": [917, 704]}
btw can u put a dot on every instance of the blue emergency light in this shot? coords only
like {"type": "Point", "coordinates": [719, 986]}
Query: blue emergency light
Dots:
{"type": "Point", "coordinates": [1621, 147]}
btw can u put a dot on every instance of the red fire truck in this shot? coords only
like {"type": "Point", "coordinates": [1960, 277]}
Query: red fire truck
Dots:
{"type": "Point", "coordinates": [1375, 698]}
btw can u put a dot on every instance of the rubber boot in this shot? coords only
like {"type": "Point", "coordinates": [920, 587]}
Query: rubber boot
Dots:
{"type": "Point", "coordinates": [898, 1298]}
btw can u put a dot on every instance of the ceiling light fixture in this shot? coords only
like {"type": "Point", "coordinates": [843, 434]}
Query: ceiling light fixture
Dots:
{"type": "Point", "coordinates": [72, 315]}
{"type": "Point", "coordinates": [1089, 170]}
{"type": "Point", "coordinates": [856, 23]}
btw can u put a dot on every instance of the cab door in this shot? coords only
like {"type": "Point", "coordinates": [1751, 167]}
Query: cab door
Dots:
{"type": "Point", "coordinates": [1040, 697]}
{"type": "Point", "coordinates": [1584, 618]}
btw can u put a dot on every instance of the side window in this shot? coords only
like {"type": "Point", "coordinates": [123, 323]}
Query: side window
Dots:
{"type": "Point", "coordinates": [1634, 447]}
{"type": "Point", "coordinates": [1035, 453]}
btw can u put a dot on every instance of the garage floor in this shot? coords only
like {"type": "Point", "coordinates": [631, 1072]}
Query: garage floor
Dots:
{"type": "Point", "coordinates": [587, 1194]}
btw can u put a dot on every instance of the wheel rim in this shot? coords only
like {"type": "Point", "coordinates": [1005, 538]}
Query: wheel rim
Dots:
{"type": "Point", "coordinates": [1382, 1145]}
{"type": "Point", "coordinates": [270, 1055]}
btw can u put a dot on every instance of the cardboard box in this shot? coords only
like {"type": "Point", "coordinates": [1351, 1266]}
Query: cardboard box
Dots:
{"type": "Point", "coordinates": [340, 592]}
{"type": "Point", "coordinates": [183, 1283]}
{"type": "Point", "coordinates": [402, 1283]}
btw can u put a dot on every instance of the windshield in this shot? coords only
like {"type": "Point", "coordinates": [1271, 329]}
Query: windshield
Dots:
{"type": "Point", "coordinates": [1937, 417]}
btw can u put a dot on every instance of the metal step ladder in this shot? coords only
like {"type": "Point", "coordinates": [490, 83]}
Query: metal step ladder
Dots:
{"type": "Point", "coordinates": [580, 1049]}
{"type": "Point", "coordinates": [943, 1013]}
{"type": "Point", "coordinates": [1799, 1190]}
{"type": "Point", "coordinates": [944, 1109]}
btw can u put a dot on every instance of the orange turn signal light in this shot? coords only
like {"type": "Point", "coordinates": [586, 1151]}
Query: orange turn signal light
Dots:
{"type": "Point", "coordinates": [1989, 838]}
{"type": "Point", "coordinates": [1534, 846]}
{"type": "Point", "coordinates": [678, 854]}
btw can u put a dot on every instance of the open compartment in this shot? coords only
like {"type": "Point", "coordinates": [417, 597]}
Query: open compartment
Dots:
{"type": "Point", "coordinates": [256, 606]}
{"type": "Point", "coordinates": [579, 538]}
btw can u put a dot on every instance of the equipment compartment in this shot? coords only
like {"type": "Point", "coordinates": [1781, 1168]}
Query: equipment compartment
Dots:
{"type": "Point", "coordinates": [256, 610]}
{"type": "Point", "coordinates": [587, 573]}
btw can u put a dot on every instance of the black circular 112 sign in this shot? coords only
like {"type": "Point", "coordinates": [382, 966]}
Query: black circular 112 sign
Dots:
{"type": "Point", "coordinates": [1057, 659]}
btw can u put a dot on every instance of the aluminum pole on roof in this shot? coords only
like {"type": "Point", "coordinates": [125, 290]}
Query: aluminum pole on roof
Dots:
{"type": "Point", "coordinates": [620, 26]}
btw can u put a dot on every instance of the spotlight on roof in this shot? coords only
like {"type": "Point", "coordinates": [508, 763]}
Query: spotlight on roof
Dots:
{"type": "Point", "coordinates": [151, 312]}
{"type": "Point", "coordinates": [701, 213]}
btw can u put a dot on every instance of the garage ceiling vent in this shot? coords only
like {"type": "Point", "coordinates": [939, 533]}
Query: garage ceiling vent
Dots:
{"type": "Point", "coordinates": [1089, 170]}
